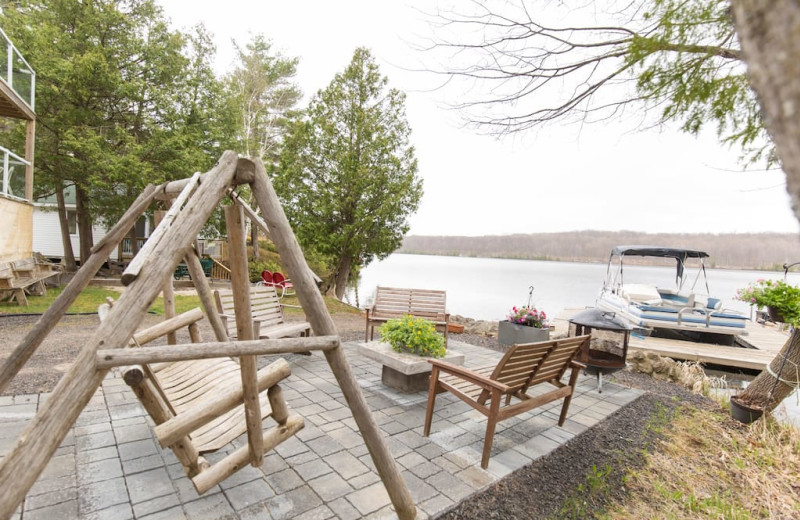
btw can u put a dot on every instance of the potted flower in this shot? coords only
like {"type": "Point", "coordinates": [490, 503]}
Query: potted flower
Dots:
{"type": "Point", "coordinates": [414, 336]}
{"type": "Point", "coordinates": [781, 299]}
{"type": "Point", "coordinates": [524, 325]}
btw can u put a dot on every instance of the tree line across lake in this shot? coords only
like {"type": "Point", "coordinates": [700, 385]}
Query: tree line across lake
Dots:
{"type": "Point", "coordinates": [769, 251]}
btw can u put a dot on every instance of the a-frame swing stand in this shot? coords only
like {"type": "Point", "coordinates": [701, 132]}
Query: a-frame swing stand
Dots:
{"type": "Point", "coordinates": [191, 202]}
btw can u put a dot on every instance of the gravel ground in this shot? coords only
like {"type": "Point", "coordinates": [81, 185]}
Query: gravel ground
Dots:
{"type": "Point", "coordinates": [535, 491]}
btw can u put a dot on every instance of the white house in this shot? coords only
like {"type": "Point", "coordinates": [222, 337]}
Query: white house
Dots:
{"type": "Point", "coordinates": [47, 230]}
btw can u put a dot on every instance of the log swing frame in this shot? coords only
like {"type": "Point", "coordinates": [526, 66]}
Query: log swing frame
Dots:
{"type": "Point", "coordinates": [190, 202]}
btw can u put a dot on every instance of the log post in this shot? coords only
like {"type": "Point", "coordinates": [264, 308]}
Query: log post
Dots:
{"type": "Point", "coordinates": [204, 293]}
{"type": "Point", "coordinates": [240, 283]}
{"type": "Point", "coordinates": [322, 324]}
{"type": "Point", "coordinates": [36, 445]}
{"type": "Point", "coordinates": [135, 267]}
{"type": "Point", "coordinates": [168, 293]}
{"type": "Point", "coordinates": [89, 268]}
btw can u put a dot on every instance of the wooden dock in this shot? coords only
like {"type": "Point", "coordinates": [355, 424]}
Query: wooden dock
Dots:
{"type": "Point", "coordinates": [764, 342]}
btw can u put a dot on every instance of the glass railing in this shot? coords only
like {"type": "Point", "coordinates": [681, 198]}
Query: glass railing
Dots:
{"type": "Point", "coordinates": [13, 175]}
{"type": "Point", "coordinates": [16, 72]}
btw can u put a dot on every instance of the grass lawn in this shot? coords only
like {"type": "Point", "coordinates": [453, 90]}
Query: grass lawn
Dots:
{"type": "Point", "coordinates": [92, 297]}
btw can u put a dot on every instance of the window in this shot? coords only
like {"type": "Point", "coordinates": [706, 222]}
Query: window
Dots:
{"type": "Point", "coordinates": [72, 222]}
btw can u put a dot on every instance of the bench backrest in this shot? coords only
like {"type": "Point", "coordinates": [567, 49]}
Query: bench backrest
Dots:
{"type": "Point", "coordinates": [392, 302]}
{"type": "Point", "coordinates": [529, 364]}
{"type": "Point", "coordinates": [26, 265]}
{"type": "Point", "coordinates": [6, 276]}
{"type": "Point", "coordinates": [264, 304]}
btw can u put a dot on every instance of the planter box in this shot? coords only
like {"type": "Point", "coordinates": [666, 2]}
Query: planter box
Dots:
{"type": "Point", "coordinates": [403, 371]}
{"type": "Point", "coordinates": [512, 334]}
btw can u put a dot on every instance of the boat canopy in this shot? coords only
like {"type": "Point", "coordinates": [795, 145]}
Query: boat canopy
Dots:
{"type": "Point", "coordinates": [664, 252]}
{"type": "Point", "coordinates": [680, 255]}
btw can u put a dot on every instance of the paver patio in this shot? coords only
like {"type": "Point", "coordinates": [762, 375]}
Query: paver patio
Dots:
{"type": "Point", "coordinates": [111, 467]}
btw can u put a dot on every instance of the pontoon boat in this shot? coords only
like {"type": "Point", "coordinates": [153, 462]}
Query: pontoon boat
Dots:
{"type": "Point", "coordinates": [684, 307]}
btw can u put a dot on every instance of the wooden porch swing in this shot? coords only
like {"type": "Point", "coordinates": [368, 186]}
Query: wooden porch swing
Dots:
{"type": "Point", "coordinates": [193, 391]}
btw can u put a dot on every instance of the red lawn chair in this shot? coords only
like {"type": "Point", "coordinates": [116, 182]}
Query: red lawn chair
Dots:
{"type": "Point", "coordinates": [284, 284]}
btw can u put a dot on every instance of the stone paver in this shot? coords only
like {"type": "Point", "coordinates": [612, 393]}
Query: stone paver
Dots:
{"type": "Point", "coordinates": [110, 465]}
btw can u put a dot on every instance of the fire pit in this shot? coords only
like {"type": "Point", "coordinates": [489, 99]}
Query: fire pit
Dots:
{"type": "Point", "coordinates": [608, 349]}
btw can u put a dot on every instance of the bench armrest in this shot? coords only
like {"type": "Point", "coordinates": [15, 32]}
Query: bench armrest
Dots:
{"type": "Point", "coordinates": [468, 375]}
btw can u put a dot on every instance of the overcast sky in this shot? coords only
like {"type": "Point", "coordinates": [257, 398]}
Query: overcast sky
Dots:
{"type": "Point", "coordinates": [559, 178]}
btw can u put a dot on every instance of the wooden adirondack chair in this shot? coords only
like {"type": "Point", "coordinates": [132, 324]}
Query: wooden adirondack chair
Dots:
{"type": "Point", "coordinates": [521, 368]}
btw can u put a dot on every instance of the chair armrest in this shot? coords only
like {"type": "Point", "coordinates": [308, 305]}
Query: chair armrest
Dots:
{"type": "Point", "coordinates": [469, 375]}
{"type": "Point", "coordinates": [577, 364]}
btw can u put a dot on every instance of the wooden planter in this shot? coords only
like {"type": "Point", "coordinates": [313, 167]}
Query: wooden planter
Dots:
{"type": "Point", "coordinates": [512, 334]}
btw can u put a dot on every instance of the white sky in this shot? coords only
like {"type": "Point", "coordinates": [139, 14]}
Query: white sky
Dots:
{"type": "Point", "coordinates": [559, 178]}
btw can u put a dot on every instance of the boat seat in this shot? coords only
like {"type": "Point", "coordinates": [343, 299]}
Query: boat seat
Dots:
{"type": "Point", "coordinates": [640, 293]}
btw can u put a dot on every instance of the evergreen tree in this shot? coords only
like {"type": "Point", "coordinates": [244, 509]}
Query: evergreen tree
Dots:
{"type": "Point", "coordinates": [347, 174]}
{"type": "Point", "coordinates": [121, 100]}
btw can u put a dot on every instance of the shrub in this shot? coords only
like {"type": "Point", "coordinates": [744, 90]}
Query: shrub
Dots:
{"type": "Point", "coordinates": [415, 335]}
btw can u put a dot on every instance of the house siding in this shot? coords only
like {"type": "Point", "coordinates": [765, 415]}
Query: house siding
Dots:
{"type": "Point", "coordinates": [47, 234]}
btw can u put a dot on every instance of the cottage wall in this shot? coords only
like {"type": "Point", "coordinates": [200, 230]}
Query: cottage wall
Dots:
{"type": "Point", "coordinates": [16, 232]}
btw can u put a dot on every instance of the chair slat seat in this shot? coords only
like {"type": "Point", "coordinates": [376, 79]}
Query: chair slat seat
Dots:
{"type": "Point", "coordinates": [522, 367]}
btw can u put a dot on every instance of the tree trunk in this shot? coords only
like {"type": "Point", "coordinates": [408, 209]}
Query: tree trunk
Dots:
{"type": "Point", "coordinates": [342, 275]}
{"type": "Point", "coordinates": [254, 230]}
{"type": "Point", "coordinates": [84, 224]}
{"type": "Point", "coordinates": [254, 240]}
{"type": "Point", "coordinates": [770, 36]}
{"type": "Point", "coordinates": [63, 220]}
{"type": "Point", "coordinates": [760, 391]}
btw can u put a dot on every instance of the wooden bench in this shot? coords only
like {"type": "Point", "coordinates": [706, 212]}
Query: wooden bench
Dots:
{"type": "Point", "coordinates": [489, 389]}
{"type": "Point", "coordinates": [267, 312]}
{"type": "Point", "coordinates": [392, 303]}
{"type": "Point", "coordinates": [25, 276]}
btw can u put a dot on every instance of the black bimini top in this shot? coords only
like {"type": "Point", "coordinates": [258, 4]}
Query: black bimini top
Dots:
{"type": "Point", "coordinates": [663, 252]}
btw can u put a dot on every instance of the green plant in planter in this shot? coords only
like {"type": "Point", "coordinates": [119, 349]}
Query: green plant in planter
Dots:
{"type": "Point", "coordinates": [777, 294]}
{"type": "Point", "coordinates": [413, 335]}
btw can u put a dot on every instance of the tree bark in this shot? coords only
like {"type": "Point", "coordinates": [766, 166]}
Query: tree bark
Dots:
{"type": "Point", "coordinates": [770, 36]}
{"type": "Point", "coordinates": [84, 224]}
{"type": "Point", "coordinates": [342, 275]}
{"type": "Point", "coordinates": [768, 392]}
{"type": "Point", "coordinates": [63, 220]}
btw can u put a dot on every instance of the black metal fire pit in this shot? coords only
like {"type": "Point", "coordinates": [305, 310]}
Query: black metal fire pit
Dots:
{"type": "Point", "coordinates": [606, 353]}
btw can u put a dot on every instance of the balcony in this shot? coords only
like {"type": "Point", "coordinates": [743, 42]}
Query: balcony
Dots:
{"type": "Point", "coordinates": [19, 82]}
{"type": "Point", "coordinates": [13, 179]}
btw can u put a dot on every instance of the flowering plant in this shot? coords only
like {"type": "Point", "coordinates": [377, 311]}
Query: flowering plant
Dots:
{"type": "Point", "coordinates": [528, 316]}
{"type": "Point", "coordinates": [777, 294]}
{"type": "Point", "coordinates": [413, 335]}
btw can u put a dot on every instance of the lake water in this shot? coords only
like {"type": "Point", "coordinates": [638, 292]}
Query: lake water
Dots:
{"type": "Point", "coordinates": [487, 288]}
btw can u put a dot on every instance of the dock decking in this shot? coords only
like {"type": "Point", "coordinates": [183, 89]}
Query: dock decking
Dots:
{"type": "Point", "coordinates": [765, 343]}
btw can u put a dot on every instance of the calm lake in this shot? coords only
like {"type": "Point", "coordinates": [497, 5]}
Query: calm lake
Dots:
{"type": "Point", "coordinates": [487, 288]}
